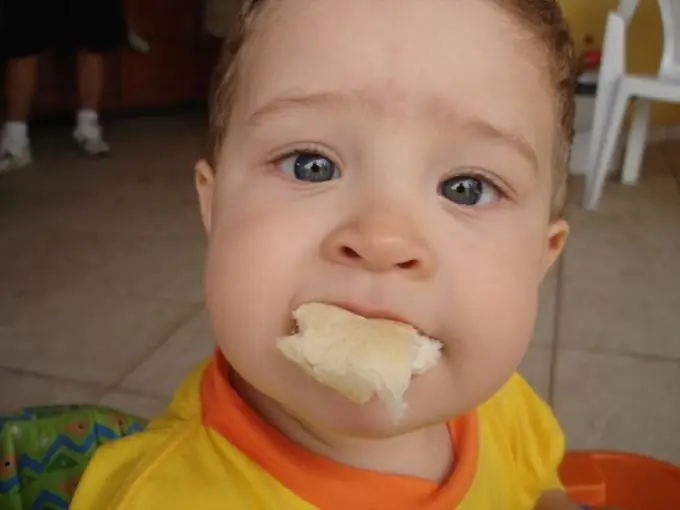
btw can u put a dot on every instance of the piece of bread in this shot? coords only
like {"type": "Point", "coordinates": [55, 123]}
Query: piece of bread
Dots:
{"type": "Point", "coordinates": [359, 357]}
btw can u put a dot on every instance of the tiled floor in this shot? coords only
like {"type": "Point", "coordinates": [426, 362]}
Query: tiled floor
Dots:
{"type": "Point", "coordinates": [100, 291]}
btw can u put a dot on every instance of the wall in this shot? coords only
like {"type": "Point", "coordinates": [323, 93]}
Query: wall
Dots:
{"type": "Point", "coordinates": [644, 41]}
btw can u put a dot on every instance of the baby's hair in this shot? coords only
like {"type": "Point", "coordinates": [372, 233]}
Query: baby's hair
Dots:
{"type": "Point", "coordinates": [542, 18]}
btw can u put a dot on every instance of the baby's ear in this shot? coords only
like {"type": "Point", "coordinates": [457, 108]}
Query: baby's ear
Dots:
{"type": "Point", "coordinates": [558, 231]}
{"type": "Point", "coordinates": [205, 185]}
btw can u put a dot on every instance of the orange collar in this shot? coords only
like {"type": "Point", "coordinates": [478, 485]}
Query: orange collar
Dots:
{"type": "Point", "coordinates": [321, 482]}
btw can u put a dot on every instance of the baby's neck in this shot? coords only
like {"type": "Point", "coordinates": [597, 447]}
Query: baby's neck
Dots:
{"type": "Point", "coordinates": [426, 453]}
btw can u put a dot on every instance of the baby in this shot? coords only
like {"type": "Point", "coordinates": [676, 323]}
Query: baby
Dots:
{"type": "Point", "coordinates": [396, 159]}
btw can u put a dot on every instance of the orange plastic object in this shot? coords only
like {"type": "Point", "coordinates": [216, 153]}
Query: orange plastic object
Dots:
{"type": "Point", "coordinates": [623, 480]}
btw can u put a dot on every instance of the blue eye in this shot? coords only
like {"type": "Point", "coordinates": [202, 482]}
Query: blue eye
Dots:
{"type": "Point", "coordinates": [468, 191]}
{"type": "Point", "coordinates": [309, 167]}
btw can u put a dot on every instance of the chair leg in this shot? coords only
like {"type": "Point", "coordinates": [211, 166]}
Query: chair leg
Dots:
{"type": "Point", "coordinates": [604, 102]}
{"type": "Point", "coordinates": [637, 140]}
{"type": "Point", "coordinates": [595, 183]}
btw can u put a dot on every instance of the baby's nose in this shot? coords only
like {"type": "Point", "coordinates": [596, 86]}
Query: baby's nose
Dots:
{"type": "Point", "coordinates": [381, 243]}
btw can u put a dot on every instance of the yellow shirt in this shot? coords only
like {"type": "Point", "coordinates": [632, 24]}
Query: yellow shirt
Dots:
{"type": "Point", "coordinates": [211, 452]}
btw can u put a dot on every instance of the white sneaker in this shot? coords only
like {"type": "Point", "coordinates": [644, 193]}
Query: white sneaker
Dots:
{"type": "Point", "coordinates": [95, 147]}
{"type": "Point", "coordinates": [15, 160]}
{"type": "Point", "coordinates": [88, 135]}
{"type": "Point", "coordinates": [89, 139]}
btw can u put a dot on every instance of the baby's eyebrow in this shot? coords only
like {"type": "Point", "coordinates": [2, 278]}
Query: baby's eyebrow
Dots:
{"type": "Point", "coordinates": [435, 107]}
{"type": "Point", "coordinates": [282, 104]}
{"type": "Point", "coordinates": [486, 129]}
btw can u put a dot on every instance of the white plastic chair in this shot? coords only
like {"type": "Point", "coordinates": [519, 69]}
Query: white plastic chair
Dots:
{"type": "Point", "coordinates": [616, 87]}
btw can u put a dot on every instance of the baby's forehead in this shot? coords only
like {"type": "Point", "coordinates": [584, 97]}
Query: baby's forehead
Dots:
{"type": "Point", "coordinates": [465, 58]}
{"type": "Point", "coordinates": [416, 40]}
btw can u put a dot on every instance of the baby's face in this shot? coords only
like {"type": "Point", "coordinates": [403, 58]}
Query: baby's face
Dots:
{"type": "Point", "coordinates": [395, 158]}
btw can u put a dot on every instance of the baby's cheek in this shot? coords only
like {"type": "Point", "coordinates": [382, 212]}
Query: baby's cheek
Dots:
{"type": "Point", "coordinates": [508, 313]}
{"type": "Point", "coordinates": [491, 354]}
{"type": "Point", "coordinates": [490, 320]}
{"type": "Point", "coordinates": [251, 270]}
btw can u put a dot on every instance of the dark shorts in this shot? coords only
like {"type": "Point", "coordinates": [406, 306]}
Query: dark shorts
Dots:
{"type": "Point", "coordinates": [31, 27]}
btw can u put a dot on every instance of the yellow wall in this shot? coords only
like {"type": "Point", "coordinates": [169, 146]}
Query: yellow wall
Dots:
{"type": "Point", "coordinates": [644, 41]}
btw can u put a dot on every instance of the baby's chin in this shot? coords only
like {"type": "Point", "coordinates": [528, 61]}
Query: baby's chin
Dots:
{"type": "Point", "coordinates": [370, 422]}
{"type": "Point", "coordinates": [321, 411]}
{"type": "Point", "coordinates": [335, 414]}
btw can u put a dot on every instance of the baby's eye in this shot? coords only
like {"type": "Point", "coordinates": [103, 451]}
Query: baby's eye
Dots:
{"type": "Point", "coordinates": [468, 191]}
{"type": "Point", "coordinates": [309, 167]}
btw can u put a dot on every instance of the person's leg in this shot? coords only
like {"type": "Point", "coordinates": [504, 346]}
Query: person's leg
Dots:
{"type": "Point", "coordinates": [20, 82]}
{"type": "Point", "coordinates": [26, 35]}
{"type": "Point", "coordinates": [90, 78]}
{"type": "Point", "coordinates": [97, 27]}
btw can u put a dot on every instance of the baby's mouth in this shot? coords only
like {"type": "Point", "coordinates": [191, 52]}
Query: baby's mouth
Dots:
{"type": "Point", "coordinates": [371, 313]}
{"type": "Point", "coordinates": [381, 314]}
{"type": "Point", "coordinates": [359, 358]}
{"type": "Point", "coordinates": [293, 328]}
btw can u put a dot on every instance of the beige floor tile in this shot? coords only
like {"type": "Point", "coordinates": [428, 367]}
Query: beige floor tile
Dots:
{"type": "Point", "coordinates": [135, 197]}
{"type": "Point", "coordinates": [136, 404]}
{"type": "Point", "coordinates": [13, 302]}
{"type": "Point", "coordinates": [536, 369]}
{"type": "Point", "coordinates": [621, 284]}
{"type": "Point", "coordinates": [21, 390]}
{"type": "Point", "coordinates": [544, 332]}
{"type": "Point", "coordinates": [168, 267]}
{"type": "Point", "coordinates": [184, 223]}
{"type": "Point", "coordinates": [42, 259]}
{"type": "Point", "coordinates": [59, 176]}
{"type": "Point", "coordinates": [618, 402]}
{"type": "Point", "coordinates": [162, 373]}
{"type": "Point", "coordinates": [123, 213]}
{"type": "Point", "coordinates": [621, 290]}
{"type": "Point", "coordinates": [20, 208]}
{"type": "Point", "coordinates": [103, 199]}
{"type": "Point", "coordinates": [651, 202]}
{"type": "Point", "coordinates": [671, 150]}
{"type": "Point", "coordinates": [88, 337]}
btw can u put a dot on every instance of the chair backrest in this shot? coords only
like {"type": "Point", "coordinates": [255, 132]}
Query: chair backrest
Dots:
{"type": "Point", "coordinates": [670, 17]}
{"type": "Point", "coordinates": [612, 67]}
{"type": "Point", "coordinates": [627, 8]}
{"type": "Point", "coordinates": [614, 44]}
